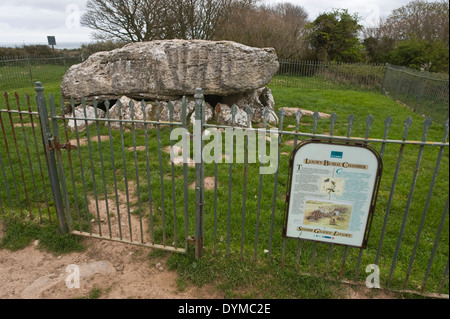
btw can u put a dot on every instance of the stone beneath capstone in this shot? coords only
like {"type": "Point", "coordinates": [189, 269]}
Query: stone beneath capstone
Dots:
{"type": "Point", "coordinates": [87, 112]}
{"type": "Point", "coordinates": [257, 100]}
{"type": "Point", "coordinates": [124, 112]}
{"type": "Point", "coordinates": [224, 116]}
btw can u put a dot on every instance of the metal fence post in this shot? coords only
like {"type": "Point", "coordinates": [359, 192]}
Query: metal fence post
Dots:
{"type": "Point", "coordinates": [198, 158]}
{"type": "Point", "coordinates": [29, 69]}
{"type": "Point", "coordinates": [49, 146]}
{"type": "Point", "coordinates": [383, 84]}
{"type": "Point", "coordinates": [64, 61]}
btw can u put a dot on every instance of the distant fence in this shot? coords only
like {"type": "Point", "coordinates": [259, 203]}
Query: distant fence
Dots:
{"type": "Point", "coordinates": [23, 71]}
{"type": "Point", "coordinates": [329, 75]}
{"type": "Point", "coordinates": [425, 93]}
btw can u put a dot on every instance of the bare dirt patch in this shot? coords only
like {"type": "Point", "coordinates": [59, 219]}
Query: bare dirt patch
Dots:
{"type": "Point", "coordinates": [116, 270]}
{"type": "Point", "coordinates": [209, 183]}
{"type": "Point", "coordinates": [119, 221]}
{"type": "Point", "coordinates": [84, 141]}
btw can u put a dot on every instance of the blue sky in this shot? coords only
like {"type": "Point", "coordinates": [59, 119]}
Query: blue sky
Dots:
{"type": "Point", "coordinates": [31, 21]}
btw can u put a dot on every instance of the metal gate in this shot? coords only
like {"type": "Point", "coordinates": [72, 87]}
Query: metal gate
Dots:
{"type": "Point", "coordinates": [118, 183]}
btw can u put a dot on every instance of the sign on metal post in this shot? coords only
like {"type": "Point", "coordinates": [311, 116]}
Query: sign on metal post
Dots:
{"type": "Point", "coordinates": [51, 41]}
{"type": "Point", "coordinates": [332, 192]}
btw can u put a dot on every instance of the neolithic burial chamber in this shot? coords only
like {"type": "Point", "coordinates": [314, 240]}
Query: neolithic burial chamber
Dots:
{"type": "Point", "coordinates": [229, 73]}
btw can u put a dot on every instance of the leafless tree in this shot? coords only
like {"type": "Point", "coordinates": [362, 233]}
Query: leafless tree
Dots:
{"type": "Point", "coordinates": [145, 20]}
{"type": "Point", "coordinates": [279, 26]}
{"type": "Point", "coordinates": [124, 20]}
{"type": "Point", "coordinates": [195, 19]}
{"type": "Point", "coordinates": [418, 19]}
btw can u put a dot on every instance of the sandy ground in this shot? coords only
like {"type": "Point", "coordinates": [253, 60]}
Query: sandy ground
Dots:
{"type": "Point", "coordinates": [117, 270]}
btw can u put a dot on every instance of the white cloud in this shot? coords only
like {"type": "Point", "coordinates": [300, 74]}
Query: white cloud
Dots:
{"type": "Point", "coordinates": [365, 9]}
{"type": "Point", "coordinates": [31, 21]}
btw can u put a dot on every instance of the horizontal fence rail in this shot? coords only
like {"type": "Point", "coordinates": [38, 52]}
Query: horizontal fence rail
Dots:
{"type": "Point", "coordinates": [119, 182]}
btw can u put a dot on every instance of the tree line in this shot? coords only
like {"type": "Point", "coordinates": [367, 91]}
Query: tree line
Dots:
{"type": "Point", "coordinates": [415, 35]}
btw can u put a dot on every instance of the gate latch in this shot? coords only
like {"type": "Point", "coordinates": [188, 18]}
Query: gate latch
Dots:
{"type": "Point", "coordinates": [67, 146]}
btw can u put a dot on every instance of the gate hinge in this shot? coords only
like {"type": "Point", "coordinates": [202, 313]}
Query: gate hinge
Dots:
{"type": "Point", "coordinates": [58, 146]}
{"type": "Point", "coordinates": [191, 240]}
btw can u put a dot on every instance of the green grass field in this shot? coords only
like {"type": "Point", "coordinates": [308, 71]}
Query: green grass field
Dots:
{"type": "Point", "coordinates": [241, 277]}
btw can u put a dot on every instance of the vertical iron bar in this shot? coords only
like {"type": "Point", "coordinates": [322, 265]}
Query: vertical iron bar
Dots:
{"type": "Point", "coordinates": [436, 242]}
{"type": "Point", "coordinates": [444, 277]}
{"type": "Point", "coordinates": [6, 183]}
{"type": "Point", "coordinates": [261, 160]}
{"type": "Point", "coordinates": [427, 203]}
{"type": "Point", "coordinates": [281, 114]}
{"type": "Point", "coordinates": [299, 250]}
{"type": "Point", "coordinates": [147, 158]}
{"type": "Point", "coordinates": [133, 130]}
{"type": "Point", "coordinates": [19, 161]}
{"type": "Point", "coordinates": [407, 124]}
{"type": "Point", "coordinates": [83, 103]}
{"type": "Point", "coordinates": [38, 156]}
{"type": "Point", "coordinates": [161, 172]}
{"type": "Point", "coordinates": [369, 122]}
{"type": "Point", "coordinates": [203, 171]}
{"type": "Point", "coordinates": [330, 249]}
{"type": "Point", "coordinates": [333, 120]}
{"type": "Point", "coordinates": [343, 262]}
{"type": "Point", "coordinates": [198, 149]}
{"type": "Point", "coordinates": [83, 180]}
{"type": "Point", "coordinates": [186, 150]}
{"type": "Point", "coordinates": [387, 124]}
{"type": "Point", "coordinates": [249, 112]}
{"type": "Point", "coordinates": [350, 120]}
{"type": "Point", "coordinates": [172, 167]}
{"type": "Point", "coordinates": [313, 258]}
{"type": "Point", "coordinates": [119, 109]}
{"type": "Point", "coordinates": [426, 125]}
{"type": "Point", "coordinates": [217, 159]}
{"type": "Point", "coordinates": [30, 163]}
{"type": "Point", "coordinates": [298, 117]}
{"type": "Point", "coordinates": [315, 117]}
{"type": "Point", "coordinates": [69, 156]}
{"type": "Point", "coordinates": [230, 174]}
{"type": "Point", "coordinates": [100, 150]}
{"type": "Point", "coordinates": [113, 163]}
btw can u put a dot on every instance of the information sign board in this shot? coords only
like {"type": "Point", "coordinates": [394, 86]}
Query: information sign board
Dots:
{"type": "Point", "coordinates": [51, 40]}
{"type": "Point", "coordinates": [332, 192]}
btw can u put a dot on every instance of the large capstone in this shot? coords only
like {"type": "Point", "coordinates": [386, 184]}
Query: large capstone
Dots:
{"type": "Point", "coordinates": [170, 69]}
